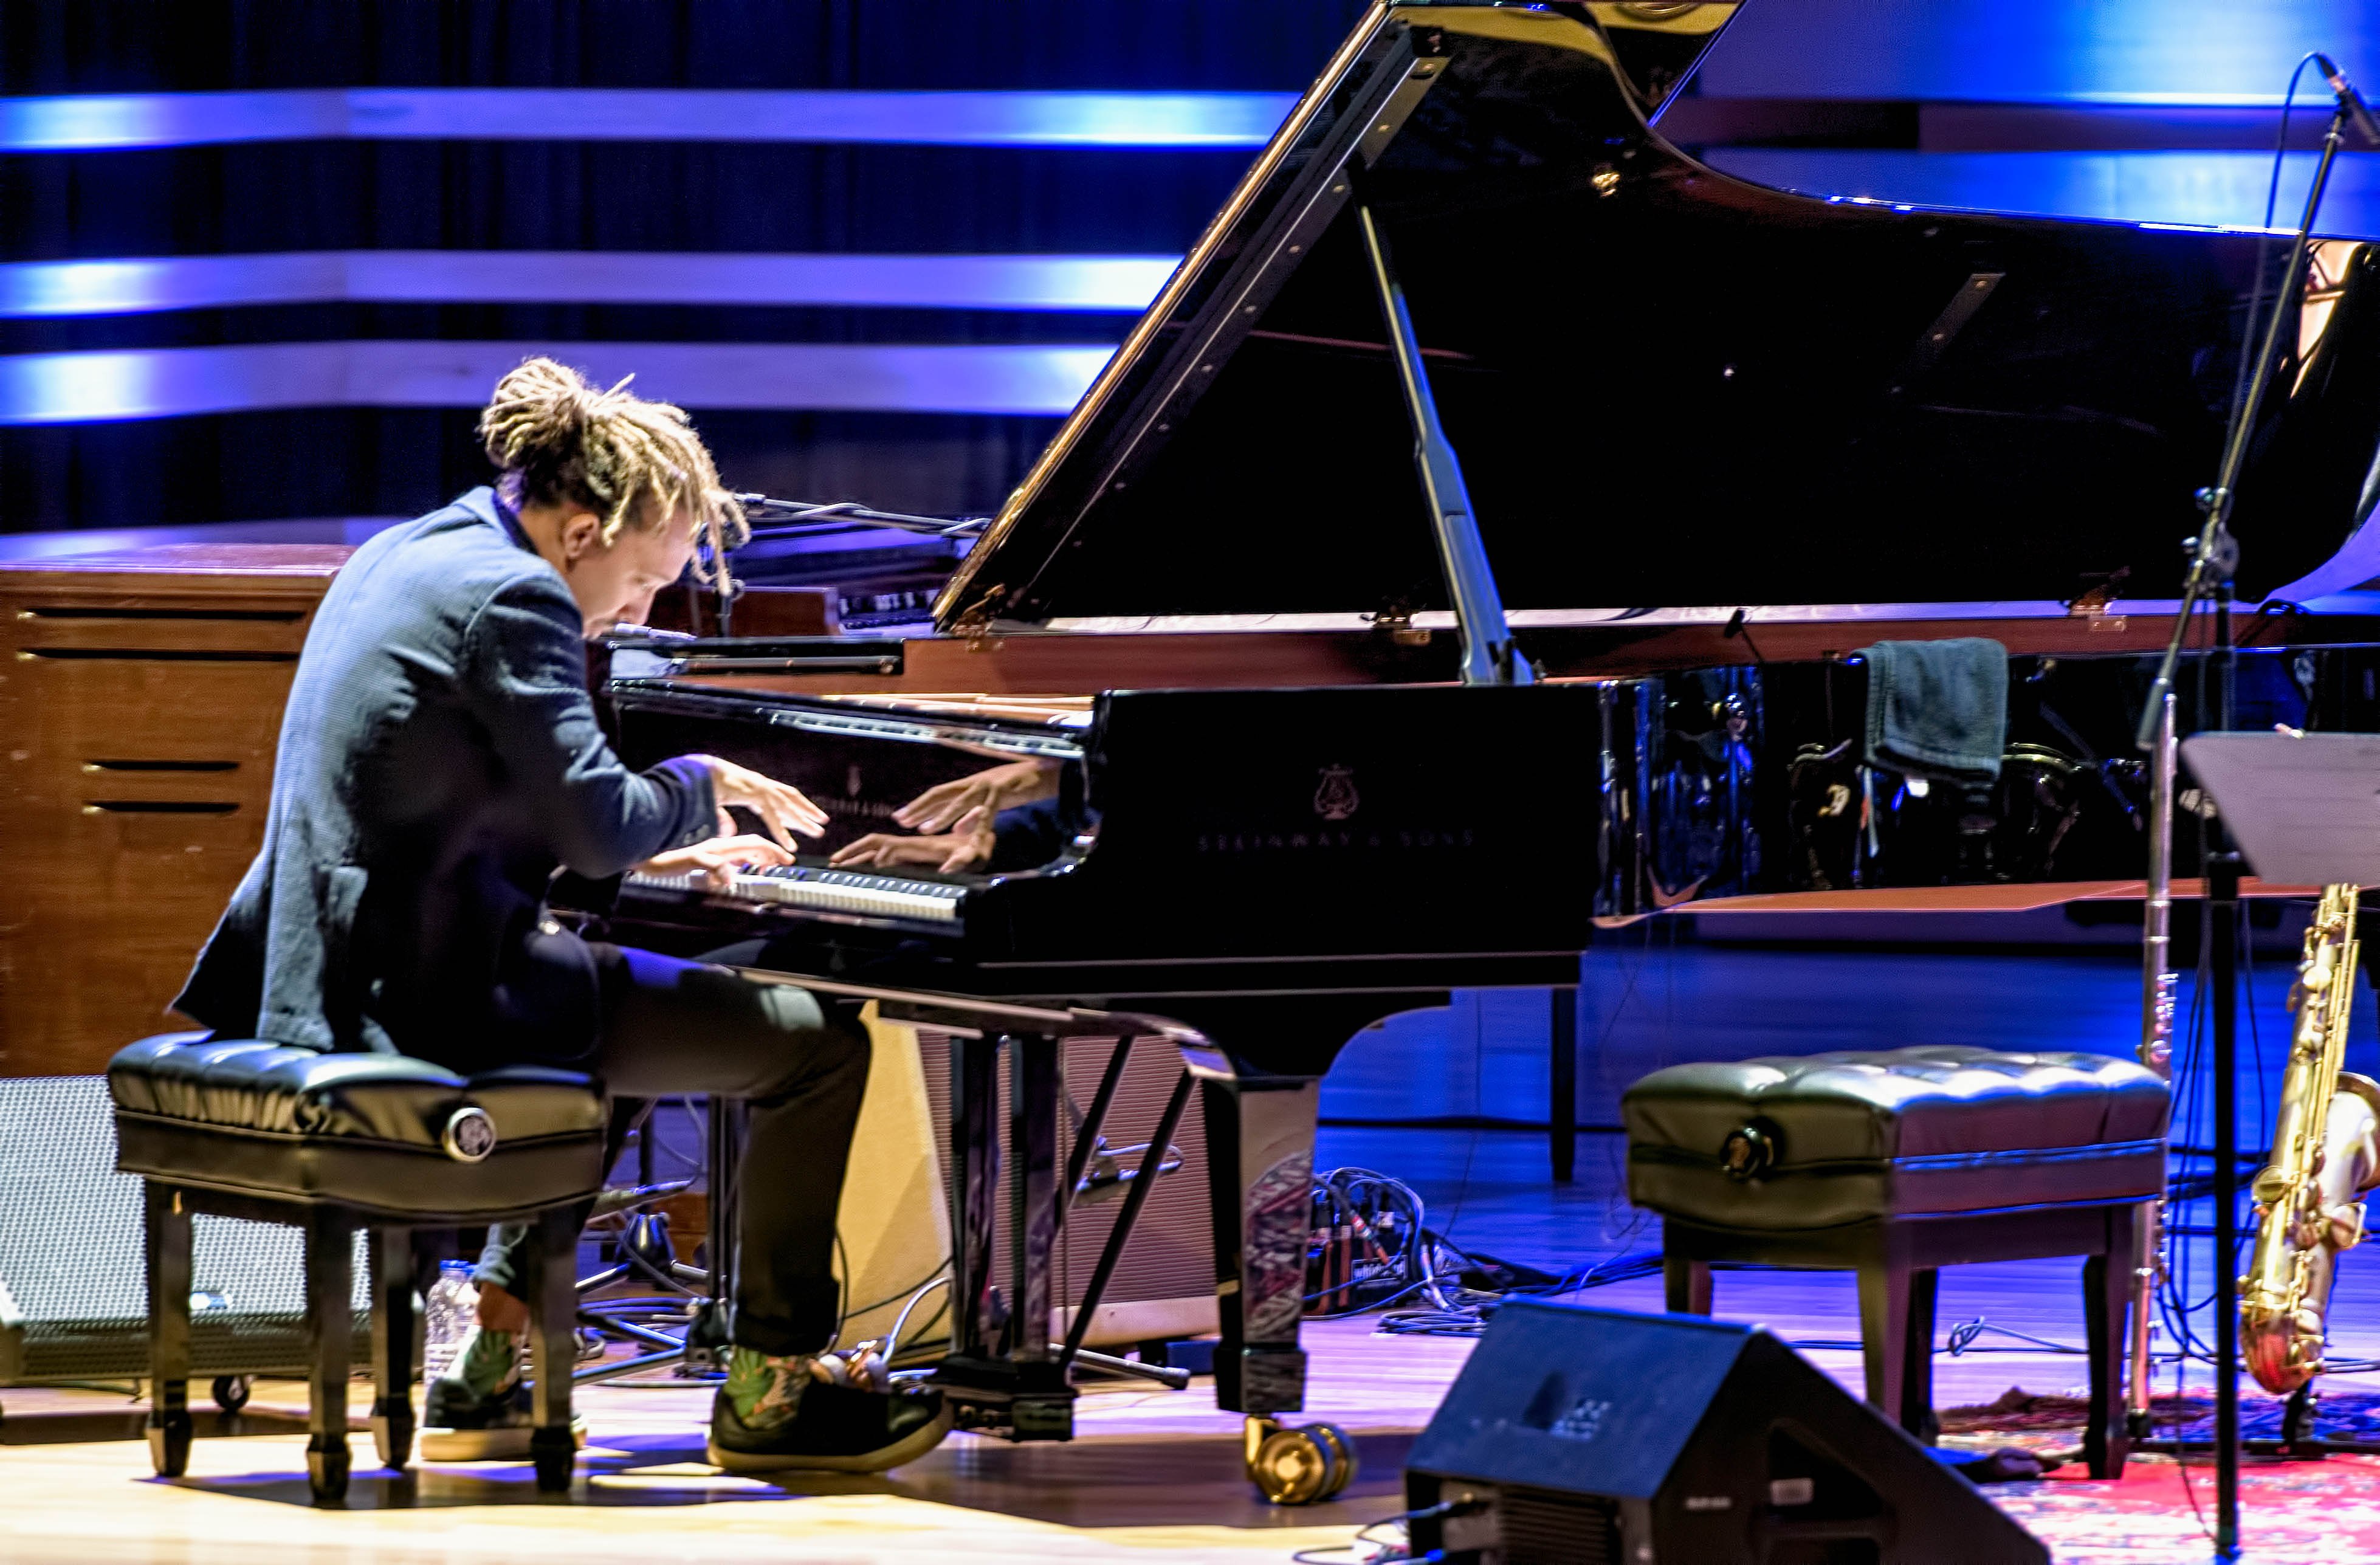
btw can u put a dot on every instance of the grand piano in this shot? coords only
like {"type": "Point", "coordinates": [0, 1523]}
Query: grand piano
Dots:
{"type": "Point", "coordinates": [1472, 547]}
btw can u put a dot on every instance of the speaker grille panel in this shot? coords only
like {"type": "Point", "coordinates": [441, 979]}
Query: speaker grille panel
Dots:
{"type": "Point", "coordinates": [74, 1295]}
{"type": "Point", "coordinates": [1555, 1529]}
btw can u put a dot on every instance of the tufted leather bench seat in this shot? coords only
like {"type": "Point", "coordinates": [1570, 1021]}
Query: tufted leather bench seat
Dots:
{"type": "Point", "coordinates": [1895, 1163]}
{"type": "Point", "coordinates": [1845, 1137]}
{"type": "Point", "coordinates": [332, 1143]}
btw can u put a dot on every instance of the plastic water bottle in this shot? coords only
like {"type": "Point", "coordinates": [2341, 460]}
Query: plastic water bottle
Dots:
{"type": "Point", "coordinates": [448, 1314]}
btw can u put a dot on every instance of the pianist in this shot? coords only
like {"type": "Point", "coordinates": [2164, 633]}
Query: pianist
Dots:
{"type": "Point", "coordinates": [439, 760]}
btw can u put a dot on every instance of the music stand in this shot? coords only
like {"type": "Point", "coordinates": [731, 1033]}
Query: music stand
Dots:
{"type": "Point", "coordinates": [2304, 808]}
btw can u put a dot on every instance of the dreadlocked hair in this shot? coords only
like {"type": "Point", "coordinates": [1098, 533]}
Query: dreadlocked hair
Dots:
{"type": "Point", "coordinates": [557, 440]}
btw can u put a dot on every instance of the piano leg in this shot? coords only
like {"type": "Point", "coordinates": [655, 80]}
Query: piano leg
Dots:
{"type": "Point", "coordinates": [1260, 1158]}
{"type": "Point", "coordinates": [1561, 1116]}
{"type": "Point", "coordinates": [1001, 1376]}
{"type": "Point", "coordinates": [975, 1192]}
{"type": "Point", "coordinates": [1260, 1084]}
{"type": "Point", "coordinates": [1033, 1193]}
{"type": "Point", "coordinates": [1260, 1154]}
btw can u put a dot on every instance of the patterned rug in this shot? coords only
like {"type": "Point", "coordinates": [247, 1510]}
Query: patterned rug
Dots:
{"type": "Point", "coordinates": [2022, 1415]}
{"type": "Point", "coordinates": [2160, 1512]}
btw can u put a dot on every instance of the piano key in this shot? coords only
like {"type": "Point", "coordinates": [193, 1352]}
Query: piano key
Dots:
{"type": "Point", "coordinates": [883, 896]}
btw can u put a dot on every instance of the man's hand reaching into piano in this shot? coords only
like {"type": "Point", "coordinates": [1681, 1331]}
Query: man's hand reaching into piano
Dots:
{"type": "Point", "coordinates": [718, 859]}
{"type": "Point", "coordinates": [782, 809]}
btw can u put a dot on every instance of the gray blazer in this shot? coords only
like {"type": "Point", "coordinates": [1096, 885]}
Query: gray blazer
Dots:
{"type": "Point", "coordinates": [439, 756]}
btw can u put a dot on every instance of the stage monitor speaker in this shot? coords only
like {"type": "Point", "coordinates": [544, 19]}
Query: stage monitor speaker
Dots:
{"type": "Point", "coordinates": [1583, 1436]}
{"type": "Point", "coordinates": [74, 1297]}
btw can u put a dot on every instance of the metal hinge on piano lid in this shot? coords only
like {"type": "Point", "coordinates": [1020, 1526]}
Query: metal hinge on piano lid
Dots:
{"type": "Point", "coordinates": [2096, 603]}
{"type": "Point", "coordinates": [974, 622]}
{"type": "Point", "coordinates": [1394, 620]}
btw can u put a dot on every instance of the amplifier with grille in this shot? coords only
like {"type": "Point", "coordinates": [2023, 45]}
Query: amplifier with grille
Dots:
{"type": "Point", "coordinates": [1164, 1285]}
{"type": "Point", "coordinates": [74, 1298]}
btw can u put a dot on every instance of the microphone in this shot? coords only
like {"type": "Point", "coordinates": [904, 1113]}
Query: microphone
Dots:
{"type": "Point", "coordinates": [2349, 100]}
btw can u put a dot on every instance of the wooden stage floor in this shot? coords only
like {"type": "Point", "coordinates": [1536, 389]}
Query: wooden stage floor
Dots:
{"type": "Point", "coordinates": [1155, 1476]}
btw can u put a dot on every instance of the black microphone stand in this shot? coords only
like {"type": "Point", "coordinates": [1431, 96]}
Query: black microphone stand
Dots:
{"type": "Point", "coordinates": [2213, 561]}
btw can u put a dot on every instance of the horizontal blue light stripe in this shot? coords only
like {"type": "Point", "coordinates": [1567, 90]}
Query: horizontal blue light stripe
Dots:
{"type": "Point", "coordinates": [2041, 51]}
{"type": "Point", "coordinates": [539, 113]}
{"type": "Point", "coordinates": [55, 388]}
{"type": "Point", "coordinates": [925, 282]}
{"type": "Point", "coordinates": [2209, 188]}
{"type": "Point", "coordinates": [20, 548]}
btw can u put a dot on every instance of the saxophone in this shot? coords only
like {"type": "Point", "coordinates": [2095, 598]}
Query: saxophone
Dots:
{"type": "Point", "coordinates": [2309, 1198]}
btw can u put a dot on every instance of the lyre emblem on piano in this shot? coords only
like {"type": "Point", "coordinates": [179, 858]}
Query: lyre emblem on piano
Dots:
{"type": "Point", "coordinates": [1336, 799]}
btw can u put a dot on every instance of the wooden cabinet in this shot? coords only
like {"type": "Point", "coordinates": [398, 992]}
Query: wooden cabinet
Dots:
{"type": "Point", "coordinates": [141, 699]}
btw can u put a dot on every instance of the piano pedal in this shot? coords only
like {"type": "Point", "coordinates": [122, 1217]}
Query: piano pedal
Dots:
{"type": "Point", "coordinates": [1302, 1466]}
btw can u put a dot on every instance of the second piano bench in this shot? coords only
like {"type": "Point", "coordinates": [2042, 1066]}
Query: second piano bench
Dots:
{"type": "Point", "coordinates": [1895, 1163]}
{"type": "Point", "coordinates": [333, 1143]}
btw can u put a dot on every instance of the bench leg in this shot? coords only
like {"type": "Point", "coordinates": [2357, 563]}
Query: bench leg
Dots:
{"type": "Point", "coordinates": [1917, 1414]}
{"type": "Point", "coordinates": [330, 1350]}
{"type": "Point", "coordinates": [553, 1337]}
{"type": "Point", "coordinates": [1897, 1342]}
{"type": "Point", "coordinates": [2107, 1283]}
{"type": "Point", "coordinates": [165, 1238]}
{"type": "Point", "coordinates": [393, 1335]}
{"type": "Point", "coordinates": [1686, 1285]}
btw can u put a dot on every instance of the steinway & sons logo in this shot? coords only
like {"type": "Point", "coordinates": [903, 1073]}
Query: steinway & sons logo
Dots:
{"type": "Point", "coordinates": [1336, 799]}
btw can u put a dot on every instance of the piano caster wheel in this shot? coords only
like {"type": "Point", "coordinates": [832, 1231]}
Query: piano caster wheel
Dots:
{"type": "Point", "coordinates": [1301, 1466]}
{"type": "Point", "coordinates": [231, 1391]}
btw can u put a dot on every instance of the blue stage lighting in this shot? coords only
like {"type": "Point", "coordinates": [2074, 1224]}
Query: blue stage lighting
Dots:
{"type": "Point", "coordinates": [1123, 283]}
{"type": "Point", "coordinates": [53, 388]}
{"type": "Point", "coordinates": [971, 119]}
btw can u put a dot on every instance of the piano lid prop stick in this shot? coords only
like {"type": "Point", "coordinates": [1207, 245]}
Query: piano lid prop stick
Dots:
{"type": "Point", "coordinates": [1488, 656]}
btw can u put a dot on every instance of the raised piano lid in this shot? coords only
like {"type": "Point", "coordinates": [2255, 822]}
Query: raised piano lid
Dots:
{"type": "Point", "coordinates": [1673, 393]}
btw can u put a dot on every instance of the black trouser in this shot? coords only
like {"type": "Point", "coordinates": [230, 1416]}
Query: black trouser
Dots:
{"type": "Point", "coordinates": [672, 1028]}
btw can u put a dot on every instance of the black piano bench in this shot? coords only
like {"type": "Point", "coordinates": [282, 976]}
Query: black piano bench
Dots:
{"type": "Point", "coordinates": [333, 1143]}
{"type": "Point", "coordinates": [1896, 1163]}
